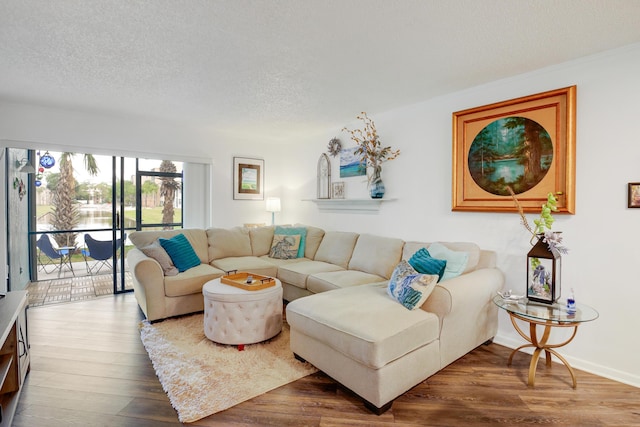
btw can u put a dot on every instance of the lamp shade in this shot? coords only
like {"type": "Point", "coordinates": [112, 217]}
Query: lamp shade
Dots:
{"type": "Point", "coordinates": [273, 204]}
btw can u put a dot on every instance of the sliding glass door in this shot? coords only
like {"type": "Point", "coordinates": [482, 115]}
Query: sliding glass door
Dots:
{"type": "Point", "coordinates": [78, 211]}
{"type": "Point", "coordinates": [79, 228]}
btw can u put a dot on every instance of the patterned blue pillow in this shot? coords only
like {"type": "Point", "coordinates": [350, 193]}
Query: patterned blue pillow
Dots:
{"type": "Point", "coordinates": [410, 288]}
{"type": "Point", "coordinates": [181, 252]}
{"type": "Point", "coordinates": [294, 231]}
{"type": "Point", "coordinates": [424, 263]}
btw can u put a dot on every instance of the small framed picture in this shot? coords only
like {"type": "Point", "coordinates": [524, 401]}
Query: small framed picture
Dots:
{"type": "Point", "coordinates": [248, 179]}
{"type": "Point", "coordinates": [634, 195]}
{"type": "Point", "coordinates": [337, 190]}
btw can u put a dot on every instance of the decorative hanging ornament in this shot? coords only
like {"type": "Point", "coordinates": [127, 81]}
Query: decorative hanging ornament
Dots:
{"type": "Point", "coordinates": [47, 161]}
{"type": "Point", "coordinates": [37, 183]}
{"type": "Point", "coordinates": [334, 147]}
{"type": "Point", "coordinates": [22, 189]}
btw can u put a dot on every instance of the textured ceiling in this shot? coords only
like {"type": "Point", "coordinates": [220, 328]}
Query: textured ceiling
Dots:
{"type": "Point", "coordinates": [283, 67]}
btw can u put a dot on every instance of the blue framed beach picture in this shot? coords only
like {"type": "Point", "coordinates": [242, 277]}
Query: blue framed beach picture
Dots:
{"type": "Point", "coordinates": [352, 164]}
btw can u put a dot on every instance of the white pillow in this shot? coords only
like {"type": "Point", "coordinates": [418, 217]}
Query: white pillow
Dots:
{"type": "Point", "coordinates": [157, 252]}
{"type": "Point", "coordinates": [456, 261]}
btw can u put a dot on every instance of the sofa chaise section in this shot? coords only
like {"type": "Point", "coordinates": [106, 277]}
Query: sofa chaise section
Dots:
{"type": "Point", "coordinates": [366, 341]}
{"type": "Point", "coordinates": [346, 332]}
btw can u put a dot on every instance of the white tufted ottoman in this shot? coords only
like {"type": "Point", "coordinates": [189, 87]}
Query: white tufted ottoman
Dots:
{"type": "Point", "coordinates": [236, 316]}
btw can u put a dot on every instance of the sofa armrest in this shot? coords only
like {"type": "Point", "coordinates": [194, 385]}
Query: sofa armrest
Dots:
{"type": "Point", "coordinates": [468, 317]}
{"type": "Point", "coordinates": [148, 283]}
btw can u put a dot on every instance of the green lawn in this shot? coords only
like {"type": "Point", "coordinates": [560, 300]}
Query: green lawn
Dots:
{"type": "Point", "coordinates": [152, 215]}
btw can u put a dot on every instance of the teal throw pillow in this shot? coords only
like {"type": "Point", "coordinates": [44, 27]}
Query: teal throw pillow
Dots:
{"type": "Point", "coordinates": [410, 288]}
{"type": "Point", "coordinates": [181, 252]}
{"type": "Point", "coordinates": [424, 263]}
{"type": "Point", "coordinates": [294, 231]}
{"type": "Point", "coordinates": [456, 261]}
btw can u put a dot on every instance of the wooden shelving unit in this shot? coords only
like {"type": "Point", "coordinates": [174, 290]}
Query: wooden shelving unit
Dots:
{"type": "Point", "coordinates": [14, 352]}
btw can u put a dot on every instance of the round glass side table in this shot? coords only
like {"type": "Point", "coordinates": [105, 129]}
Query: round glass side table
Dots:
{"type": "Point", "coordinates": [548, 316]}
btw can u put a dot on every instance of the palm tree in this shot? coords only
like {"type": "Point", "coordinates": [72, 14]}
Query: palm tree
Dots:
{"type": "Point", "coordinates": [65, 209]}
{"type": "Point", "coordinates": [149, 188]}
{"type": "Point", "coordinates": [168, 188]}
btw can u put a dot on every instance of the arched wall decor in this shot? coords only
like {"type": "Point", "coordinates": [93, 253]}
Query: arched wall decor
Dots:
{"type": "Point", "coordinates": [324, 177]}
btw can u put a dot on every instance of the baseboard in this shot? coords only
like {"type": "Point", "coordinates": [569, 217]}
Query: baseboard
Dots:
{"type": "Point", "coordinates": [592, 368]}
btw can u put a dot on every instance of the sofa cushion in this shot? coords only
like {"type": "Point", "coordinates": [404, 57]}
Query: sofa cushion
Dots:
{"type": "Point", "coordinates": [181, 252]}
{"type": "Point", "coordinates": [376, 255]}
{"type": "Point", "coordinates": [424, 263]}
{"type": "Point", "coordinates": [250, 264]}
{"type": "Point", "coordinates": [197, 237]}
{"type": "Point", "coordinates": [410, 288]}
{"type": "Point", "coordinates": [296, 273]}
{"type": "Point", "coordinates": [285, 246]}
{"type": "Point", "coordinates": [157, 252]}
{"type": "Point", "coordinates": [363, 323]}
{"type": "Point", "coordinates": [456, 260]}
{"type": "Point", "coordinates": [336, 248]}
{"type": "Point", "coordinates": [471, 249]}
{"type": "Point", "coordinates": [312, 241]}
{"type": "Point", "coordinates": [279, 262]}
{"type": "Point", "coordinates": [190, 281]}
{"type": "Point", "coordinates": [261, 238]}
{"type": "Point", "coordinates": [328, 281]}
{"type": "Point", "coordinates": [294, 231]}
{"type": "Point", "coordinates": [231, 242]}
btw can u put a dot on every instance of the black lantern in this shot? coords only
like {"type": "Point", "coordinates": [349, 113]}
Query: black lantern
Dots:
{"type": "Point", "coordinates": [543, 273]}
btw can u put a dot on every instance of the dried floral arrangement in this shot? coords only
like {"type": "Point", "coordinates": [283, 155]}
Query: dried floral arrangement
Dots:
{"type": "Point", "coordinates": [543, 223]}
{"type": "Point", "coordinates": [369, 144]}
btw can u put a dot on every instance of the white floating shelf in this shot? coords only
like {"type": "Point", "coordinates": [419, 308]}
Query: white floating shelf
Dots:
{"type": "Point", "coordinates": [349, 204]}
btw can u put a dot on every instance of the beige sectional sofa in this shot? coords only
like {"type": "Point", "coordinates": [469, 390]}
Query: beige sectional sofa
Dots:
{"type": "Point", "coordinates": [356, 333]}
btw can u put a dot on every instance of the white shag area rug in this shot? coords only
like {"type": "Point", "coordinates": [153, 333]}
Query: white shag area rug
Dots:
{"type": "Point", "coordinates": [202, 377]}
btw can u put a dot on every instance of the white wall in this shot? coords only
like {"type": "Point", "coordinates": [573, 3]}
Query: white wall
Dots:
{"type": "Point", "coordinates": [601, 265]}
{"type": "Point", "coordinates": [228, 212]}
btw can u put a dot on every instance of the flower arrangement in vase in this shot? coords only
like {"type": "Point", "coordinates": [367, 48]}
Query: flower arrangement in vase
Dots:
{"type": "Point", "coordinates": [543, 224]}
{"type": "Point", "coordinates": [544, 259]}
{"type": "Point", "coordinates": [370, 147]}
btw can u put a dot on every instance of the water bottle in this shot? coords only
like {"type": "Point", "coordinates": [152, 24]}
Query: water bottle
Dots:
{"type": "Point", "coordinates": [571, 303]}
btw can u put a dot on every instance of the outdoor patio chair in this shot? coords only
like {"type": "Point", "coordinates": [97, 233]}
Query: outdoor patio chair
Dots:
{"type": "Point", "coordinates": [99, 250]}
{"type": "Point", "coordinates": [50, 256]}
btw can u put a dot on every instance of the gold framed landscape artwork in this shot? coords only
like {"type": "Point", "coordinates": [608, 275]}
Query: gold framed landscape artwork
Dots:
{"type": "Point", "coordinates": [527, 144]}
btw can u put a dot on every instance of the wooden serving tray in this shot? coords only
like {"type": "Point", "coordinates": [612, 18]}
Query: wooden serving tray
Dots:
{"type": "Point", "coordinates": [239, 280]}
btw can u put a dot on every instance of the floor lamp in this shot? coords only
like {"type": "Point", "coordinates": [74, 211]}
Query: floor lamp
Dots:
{"type": "Point", "coordinates": [273, 206]}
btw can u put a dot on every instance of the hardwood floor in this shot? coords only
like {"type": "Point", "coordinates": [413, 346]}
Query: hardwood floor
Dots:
{"type": "Point", "coordinates": [89, 368]}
